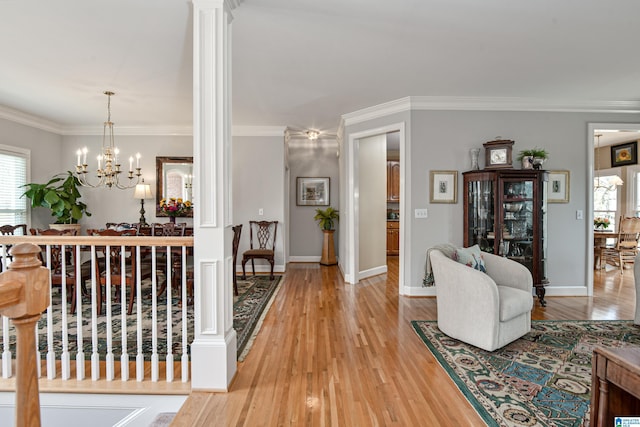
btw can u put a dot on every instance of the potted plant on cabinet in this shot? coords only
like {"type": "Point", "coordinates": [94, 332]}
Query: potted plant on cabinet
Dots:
{"type": "Point", "coordinates": [325, 220]}
{"type": "Point", "coordinates": [533, 158]}
{"type": "Point", "coordinates": [62, 197]}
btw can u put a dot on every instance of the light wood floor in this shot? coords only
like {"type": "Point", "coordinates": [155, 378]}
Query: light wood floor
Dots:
{"type": "Point", "coordinates": [331, 354]}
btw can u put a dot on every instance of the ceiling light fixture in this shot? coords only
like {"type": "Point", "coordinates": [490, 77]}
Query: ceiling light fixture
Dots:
{"type": "Point", "coordinates": [108, 173]}
{"type": "Point", "coordinates": [312, 135]}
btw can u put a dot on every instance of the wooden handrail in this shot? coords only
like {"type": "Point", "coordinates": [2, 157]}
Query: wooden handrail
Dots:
{"type": "Point", "coordinates": [100, 240]}
{"type": "Point", "coordinates": [24, 295]}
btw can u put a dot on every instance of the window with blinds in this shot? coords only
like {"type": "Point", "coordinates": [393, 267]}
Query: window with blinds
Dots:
{"type": "Point", "coordinates": [13, 166]}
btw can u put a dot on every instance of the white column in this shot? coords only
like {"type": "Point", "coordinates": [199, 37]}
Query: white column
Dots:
{"type": "Point", "coordinates": [214, 348]}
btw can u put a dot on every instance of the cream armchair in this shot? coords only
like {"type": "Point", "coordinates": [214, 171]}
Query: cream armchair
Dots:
{"type": "Point", "coordinates": [487, 310]}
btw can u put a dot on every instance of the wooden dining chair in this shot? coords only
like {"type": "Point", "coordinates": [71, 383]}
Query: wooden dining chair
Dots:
{"type": "Point", "coordinates": [58, 274]}
{"type": "Point", "coordinates": [113, 262]}
{"type": "Point", "coordinates": [264, 245]}
{"type": "Point", "coordinates": [625, 248]}
{"type": "Point", "coordinates": [237, 230]}
{"type": "Point", "coordinates": [11, 230]}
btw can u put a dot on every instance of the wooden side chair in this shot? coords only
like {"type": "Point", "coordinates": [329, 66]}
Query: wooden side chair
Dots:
{"type": "Point", "coordinates": [119, 277]}
{"type": "Point", "coordinates": [11, 230]}
{"type": "Point", "coordinates": [237, 230]}
{"type": "Point", "coordinates": [626, 247]}
{"type": "Point", "coordinates": [57, 273]}
{"type": "Point", "coordinates": [264, 246]}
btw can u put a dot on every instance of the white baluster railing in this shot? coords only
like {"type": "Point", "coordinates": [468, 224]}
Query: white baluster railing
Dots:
{"type": "Point", "coordinates": [59, 330]}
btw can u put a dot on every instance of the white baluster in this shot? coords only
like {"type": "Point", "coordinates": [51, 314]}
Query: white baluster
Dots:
{"type": "Point", "coordinates": [80, 372]}
{"type": "Point", "coordinates": [51, 355]}
{"type": "Point", "coordinates": [109, 322]}
{"type": "Point", "coordinates": [64, 358]}
{"type": "Point", "coordinates": [6, 353]}
{"type": "Point", "coordinates": [185, 355]}
{"type": "Point", "coordinates": [139, 355]}
{"type": "Point", "coordinates": [154, 329]}
{"type": "Point", "coordinates": [95, 356]}
{"type": "Point", "coordinates": [38, 354]}
{"type": "Point", "coordinates": [169, 358]}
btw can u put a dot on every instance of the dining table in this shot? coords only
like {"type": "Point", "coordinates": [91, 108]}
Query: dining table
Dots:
{"type": "Point", "coordinates": [599, 244]}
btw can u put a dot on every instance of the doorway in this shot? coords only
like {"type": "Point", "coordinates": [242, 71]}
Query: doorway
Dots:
{"type": "Point", "coordinates": [601, 137]}
{"type": "Point", "coordinates": [355, 199]}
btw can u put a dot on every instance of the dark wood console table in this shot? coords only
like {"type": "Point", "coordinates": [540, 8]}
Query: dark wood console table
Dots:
{"type": "Point", "coordinates": [615, 384]}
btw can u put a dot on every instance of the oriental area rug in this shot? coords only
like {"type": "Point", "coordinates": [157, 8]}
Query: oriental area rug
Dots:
{"type": "Point", "coordinates": [255, 296]}
{"type": "Point", "coordinates": [541, 379]}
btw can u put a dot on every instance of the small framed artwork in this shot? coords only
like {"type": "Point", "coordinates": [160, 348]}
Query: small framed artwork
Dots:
{"type": "Point", "coordinates": [444, 187]}
{"type": "Point", "coordinates": [312, 191]}
{"type": "Point", "coordinates": [558, 187]}
{"type": "Point", "coordinates": [624, 154]}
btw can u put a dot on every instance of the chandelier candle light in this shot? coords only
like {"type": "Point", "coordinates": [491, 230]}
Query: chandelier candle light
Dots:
{"type": "Point", "coordinates": [109, 173]}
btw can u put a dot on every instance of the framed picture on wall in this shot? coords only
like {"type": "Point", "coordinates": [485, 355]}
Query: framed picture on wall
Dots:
{"type": "Point", "coordinates": [558, 190]}
{"type": "Point", "coordinates": [312, 191]}
{"type": "Point", "coordinates": [444, 187]}
{"type": "Point", "coordinates": [624, 154]}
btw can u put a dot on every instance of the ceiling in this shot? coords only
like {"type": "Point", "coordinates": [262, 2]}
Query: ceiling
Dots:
{"type": "Point", "coordinates": [304, 63]}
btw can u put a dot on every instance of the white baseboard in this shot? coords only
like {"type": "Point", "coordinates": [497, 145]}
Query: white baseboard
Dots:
{"type": "Point", "coordinates": [566, 291]}
{"type": "Point", "coordinates": [372, 272]}
{"type": "Point", "coordinates": [418, 291]}
{"type": "Point", "coordinates": [313, 258]}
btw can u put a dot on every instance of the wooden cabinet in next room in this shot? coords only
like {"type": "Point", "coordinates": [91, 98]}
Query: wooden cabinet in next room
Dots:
{"type": "Point", "coordinates": [393, 237]}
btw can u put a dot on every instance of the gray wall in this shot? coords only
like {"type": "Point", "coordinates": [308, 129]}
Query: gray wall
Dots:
{"type": "Point", "coordinates": [46, 157]}
{"type": "Point", "coordinates": [442, 140]}
{"type": "Point", "coordinates": [258, 183]}
{"type": "Point", "coordinates": [311, 159]}
{"type": "Point", "coordinates": [114, 205]}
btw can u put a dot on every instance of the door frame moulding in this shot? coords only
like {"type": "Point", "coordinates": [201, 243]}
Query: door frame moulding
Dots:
{"type": "Point", "coordinates": [352, 198]}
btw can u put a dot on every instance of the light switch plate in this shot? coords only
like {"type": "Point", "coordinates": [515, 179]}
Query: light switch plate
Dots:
{"type": "Point", "coordinates": [421, 213]}
{"type": "Point", "coordinates": [579, 214]}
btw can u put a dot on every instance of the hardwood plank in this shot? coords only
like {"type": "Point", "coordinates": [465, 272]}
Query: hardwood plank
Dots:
{"type": "Point", "coordinates": [332, 354]}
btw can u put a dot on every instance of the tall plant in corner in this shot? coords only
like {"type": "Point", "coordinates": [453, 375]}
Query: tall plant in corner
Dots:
{"type": "Point", "coordinates": [61, 196]}
{"type": "Point", "coordinates": [326, 217]}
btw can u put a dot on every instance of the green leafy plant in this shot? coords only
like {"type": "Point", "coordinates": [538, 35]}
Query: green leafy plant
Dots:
{"type": "Point", "coordinates": [537, 153]}
{"type": "Point", "coordinates": [61, 196]}
{"type": "Point", "coordinates": [326, 217]}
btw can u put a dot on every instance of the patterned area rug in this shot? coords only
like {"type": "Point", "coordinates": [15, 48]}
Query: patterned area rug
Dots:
{"type": "Point", "coordinates": [541, 379]}
{"type": "Point", "coordinates": [255, 295]}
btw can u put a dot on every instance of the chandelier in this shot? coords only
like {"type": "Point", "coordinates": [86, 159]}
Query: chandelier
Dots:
{"type": "Point", "coordinates": [109, 170]}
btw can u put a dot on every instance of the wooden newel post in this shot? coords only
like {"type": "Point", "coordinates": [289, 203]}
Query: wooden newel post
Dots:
{"type": "Point", "coordinates": [24, 295]}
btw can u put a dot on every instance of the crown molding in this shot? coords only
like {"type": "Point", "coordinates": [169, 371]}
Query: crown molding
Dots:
{"type": "Point", "coordinates": [30, 120]}
{"type": "Point", "coordinates": [258, 130]}
{"type": "Point", "coordinates": [131, 130]}
{"type": "Point", "coordinates": [450, 103]}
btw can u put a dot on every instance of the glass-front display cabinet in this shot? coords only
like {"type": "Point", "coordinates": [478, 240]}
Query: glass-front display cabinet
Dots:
{"type": "Point", "coordinates": [505, 213]}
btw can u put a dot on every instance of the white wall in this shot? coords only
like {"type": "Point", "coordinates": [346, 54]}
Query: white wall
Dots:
{"type": "Point", "coordinates": [258, 183]}
{"type": "Point", "coordinates": [372, 204]}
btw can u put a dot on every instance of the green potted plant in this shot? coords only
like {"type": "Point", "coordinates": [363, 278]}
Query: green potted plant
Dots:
{"type": "Point", "coordinates": [326, 220]}
{"type": "Point", "coordinates": [61, 196]}
{"type": "Point", "coordinates": [533, 158]}
{"type": "Point", "coordinates": [326, 217]}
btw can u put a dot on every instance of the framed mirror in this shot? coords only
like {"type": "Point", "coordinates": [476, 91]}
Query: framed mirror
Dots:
{"type": "Point", "coordinates": [174, 178]}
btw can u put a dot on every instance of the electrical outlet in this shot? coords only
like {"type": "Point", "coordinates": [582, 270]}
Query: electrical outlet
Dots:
{"type": "Point", "coordinates": [421, 213]}
{"type": "Point", "coordinates": [260, 211]}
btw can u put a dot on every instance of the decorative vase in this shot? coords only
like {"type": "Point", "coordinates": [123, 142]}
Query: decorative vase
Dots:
{"type": "Point", "coordinates": [475, 153]}
{"type": "Point", "coordinates": [172, 219]}
{"type": "Point", "coordinates": [537, 162]}
{"type": "Point", "coordinates": [527, 162]}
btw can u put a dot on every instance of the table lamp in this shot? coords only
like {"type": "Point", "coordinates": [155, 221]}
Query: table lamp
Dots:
{"type": "Point", "coordinates": [142, 191]}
